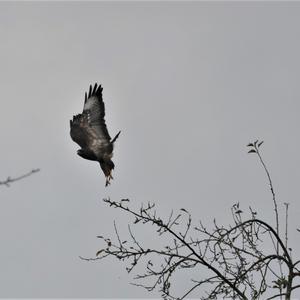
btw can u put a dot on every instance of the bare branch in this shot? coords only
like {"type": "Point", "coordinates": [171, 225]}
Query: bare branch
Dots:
{"type": "Point", "coordinates": [276, 296]}
{"type": "Point", "coordinates": [10, 180]}
{"type": "Point", "coordinates": [286, 222]}
{"type": "Point", "coordinates": [256, 146]}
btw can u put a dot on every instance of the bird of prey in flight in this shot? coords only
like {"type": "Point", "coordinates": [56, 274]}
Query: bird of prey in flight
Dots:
{"type": "Point", "coordinates": [89, 131]}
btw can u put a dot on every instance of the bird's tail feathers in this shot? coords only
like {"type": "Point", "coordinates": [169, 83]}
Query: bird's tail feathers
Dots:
{"type": "Point", "coordinates": [115, 138]}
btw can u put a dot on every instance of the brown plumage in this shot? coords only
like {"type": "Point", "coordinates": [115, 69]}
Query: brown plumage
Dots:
{"type": "Point", "coordinates": [89, 131]}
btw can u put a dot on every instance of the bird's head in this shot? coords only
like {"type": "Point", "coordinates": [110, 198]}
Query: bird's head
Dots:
{"type": "Point", "coordinates": [107, 166]}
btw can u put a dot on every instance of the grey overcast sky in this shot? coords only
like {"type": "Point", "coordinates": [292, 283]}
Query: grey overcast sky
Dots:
{"type": "Point", "coordinates": [188, 83]}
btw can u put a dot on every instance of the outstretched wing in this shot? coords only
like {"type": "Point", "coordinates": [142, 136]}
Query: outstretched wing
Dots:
{"type": "Point", "coordinates": [95, 110]}
{"type": "Point", "coordinates": [88, 129]}
{"type": "Point", "coordinates": [79, 130]}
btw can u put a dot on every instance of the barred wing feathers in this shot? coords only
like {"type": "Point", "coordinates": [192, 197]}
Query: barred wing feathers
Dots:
{"type": "Point", "coordinates": [94, 108]}
{"type": "Point", "coordinates": [88, 129]}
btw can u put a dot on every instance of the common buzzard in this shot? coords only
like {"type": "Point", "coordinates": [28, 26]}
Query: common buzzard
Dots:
{"type": "Point", "coordinates": [89, 131]}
